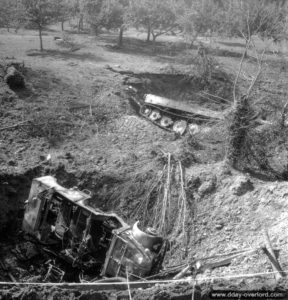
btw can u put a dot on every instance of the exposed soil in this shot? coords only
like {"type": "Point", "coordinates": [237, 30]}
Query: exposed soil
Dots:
{"type": "Point", "coordinates": [78, 113]}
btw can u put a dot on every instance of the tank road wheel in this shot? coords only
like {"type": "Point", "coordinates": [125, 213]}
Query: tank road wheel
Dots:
{"type": "Point", "coordinates": [145, 110]}
{"type": "Point", "coordinates": [193, 129]}
{"type": "Point", "coordinates": [180, 126]}
{"type": "Point", "coordinates": [166, 121]}
{"type": "Point", "coordinates": [155, 115]}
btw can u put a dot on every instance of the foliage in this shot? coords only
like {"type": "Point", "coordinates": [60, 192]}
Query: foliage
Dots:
{"type": "Point", "coordinates": [10, 15]}
{"type": "Point", "coordinates": [157, 16]}
{"type": "Point", "coordinates": [234, 18]}
{"type": "Point", "coordinates": [110, 14]}
{"type": "Point", "coordinates": [41, 13]}
{"type": "Point", "coordinates": [265, 150]}
{"type": "Point", "coordinates": [64, 10]}
{"type": "Point", "coordinates": [254, 18]}
{"type": "Point", "coordinates": [238, 122]}
{"type": "Point", "coordinates": [92, 9]}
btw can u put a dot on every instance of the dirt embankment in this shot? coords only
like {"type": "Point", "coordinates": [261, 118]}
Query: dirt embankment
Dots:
{"type": "Point", "coordinates": [14, 190]}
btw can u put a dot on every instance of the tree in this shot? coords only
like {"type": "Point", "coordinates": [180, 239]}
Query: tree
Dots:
{"type": "Point", "coordinates": [110, 14]}
{"type": "Point", "coordinates": [92, 10]}
{"type": "Point", "coordinates": [157, 16]}
{"type": "Point", "coordinates": [9, 16]}
{"type": "Point", "coordinates": [264, 18]}
{"type": "Point", "coordinates": [233, 18]}
{"type": "Point", "coordinates": [41, 13]}
{"type": "Point", "coordinates": [64, 11]}
{"type": "Point", "coordinates": [193, 21]}
{"type": "Point", "coordinates": [241, 114]}
{"type": "Point", "coordinates": [116, 16]}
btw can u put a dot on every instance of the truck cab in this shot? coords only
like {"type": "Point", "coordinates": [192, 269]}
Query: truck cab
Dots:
{"type": "Point", "coordinates": [100, 244]}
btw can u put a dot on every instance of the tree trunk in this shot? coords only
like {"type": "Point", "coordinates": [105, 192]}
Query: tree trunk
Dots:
{"type": "Point", "coordinates": [94, 29]}
{"type": "Point", "coordinates": [120, 38]}
{"type": "Point", "coordinates": [62, 25]}
{"type": "Point", "coordinates": [80, 23]}
{"type": "Point", "coordinates": [40, 37]}
{"type": "Point", "coordinates": [148, 33]}
{"type": "Point", "coordinates": [238, 129]}
{"type": "Point", "coordinates": [154, 36]}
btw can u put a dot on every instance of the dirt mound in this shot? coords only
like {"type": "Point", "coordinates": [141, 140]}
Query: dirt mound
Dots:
{"type": "Point", "coordinates": [227, 219]}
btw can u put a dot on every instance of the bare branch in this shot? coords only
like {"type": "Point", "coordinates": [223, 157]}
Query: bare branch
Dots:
{"type": "Point", "coordinates": [239, 70]}
{"type": "Point", "coordinates": [259, 62]}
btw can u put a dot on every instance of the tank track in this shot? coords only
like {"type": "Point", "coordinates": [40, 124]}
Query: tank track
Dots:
{"type": "Point", "coordinates": [164, 113]}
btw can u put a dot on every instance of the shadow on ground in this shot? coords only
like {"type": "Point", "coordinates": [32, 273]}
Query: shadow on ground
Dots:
{"type": "Point", "coordinates": [65, 55]}
{"type": "Point", "coordinates": [165, 51]}
{"type": "Point", "coordinates": [232, 44]}
{"type": "Point", "coordinates": [139, 47]}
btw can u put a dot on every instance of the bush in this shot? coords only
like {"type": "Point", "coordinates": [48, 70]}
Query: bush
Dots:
{"type": "Point", "coordinates": [265, 151]}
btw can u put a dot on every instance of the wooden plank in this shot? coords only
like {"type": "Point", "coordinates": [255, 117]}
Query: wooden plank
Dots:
{"type": "Point", "coordinates": [268, 250]}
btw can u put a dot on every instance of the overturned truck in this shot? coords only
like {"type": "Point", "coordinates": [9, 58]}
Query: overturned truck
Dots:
{"type": "Point", "coordinates": [99, 244]}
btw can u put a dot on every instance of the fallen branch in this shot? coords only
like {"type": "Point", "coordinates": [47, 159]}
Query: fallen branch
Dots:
{"type": "Point", "coordinates": [268, 250]}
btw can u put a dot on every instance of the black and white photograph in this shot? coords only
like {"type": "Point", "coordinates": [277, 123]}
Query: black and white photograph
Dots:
{"type": "Point", "coordinates": [143, 149]}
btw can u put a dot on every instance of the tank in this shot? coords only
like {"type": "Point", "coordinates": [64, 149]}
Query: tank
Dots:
{"type": "Point", "coordinates": [172, 115]}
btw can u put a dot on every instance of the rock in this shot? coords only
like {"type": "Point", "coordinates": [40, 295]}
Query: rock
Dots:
{"type": "Point", "coordinates": [241, 186]}
{"type": "Point", "coordinates": [219, 226]}
{"type": "Point", "coordinates": [207, 186]}
{"type": "Point", "coordinates": [228, 228]}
